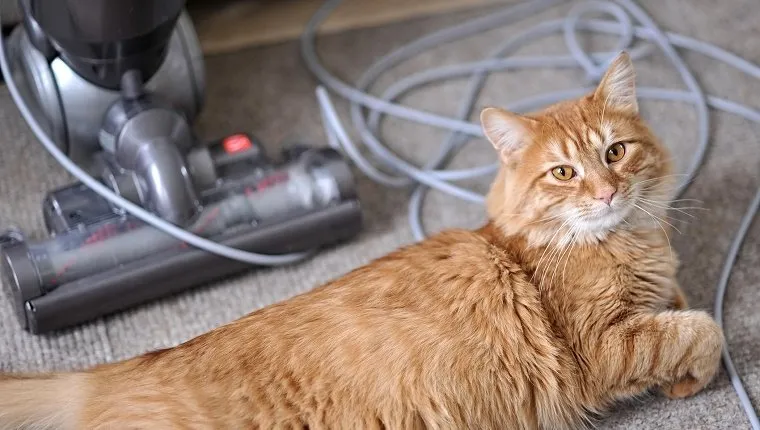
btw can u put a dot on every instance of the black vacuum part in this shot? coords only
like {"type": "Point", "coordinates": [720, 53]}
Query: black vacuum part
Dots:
{"type": "Point", "coordinates": [102, 39]}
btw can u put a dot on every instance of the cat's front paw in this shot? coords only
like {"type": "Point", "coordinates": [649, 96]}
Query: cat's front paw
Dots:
{"type": "Point", "coordinates": [686, 387]}
{"type": "Point", "coordinates": [702, 361]}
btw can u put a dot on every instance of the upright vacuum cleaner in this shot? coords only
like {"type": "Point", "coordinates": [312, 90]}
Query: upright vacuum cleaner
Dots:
{"type": "Point", "coordinates": [116, 85]}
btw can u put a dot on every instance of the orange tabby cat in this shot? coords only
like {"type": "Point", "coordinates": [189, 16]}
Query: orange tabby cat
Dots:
{"type": "Point", "coordinates": [563, 303]}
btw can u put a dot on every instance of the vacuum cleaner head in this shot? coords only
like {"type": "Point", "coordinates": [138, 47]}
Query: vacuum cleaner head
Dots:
{"type": "Point", "coordinates": [100, 260]}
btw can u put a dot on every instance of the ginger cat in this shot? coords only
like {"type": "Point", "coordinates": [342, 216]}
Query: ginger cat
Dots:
{"type": "Point", "coordinates": [565, 302]}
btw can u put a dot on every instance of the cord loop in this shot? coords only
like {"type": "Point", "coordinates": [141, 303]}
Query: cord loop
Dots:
{"type": "Point", "coordinates": [595, 69]}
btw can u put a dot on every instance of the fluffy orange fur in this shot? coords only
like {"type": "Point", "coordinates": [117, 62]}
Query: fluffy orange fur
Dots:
{"type": "Point", "coordinates": [563, 303]}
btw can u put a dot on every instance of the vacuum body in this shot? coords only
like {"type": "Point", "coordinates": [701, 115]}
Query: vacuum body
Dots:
{"type": "Point", "coordinates": [117, 85]}
{"type": "Point", "coordinates": [70, 74]}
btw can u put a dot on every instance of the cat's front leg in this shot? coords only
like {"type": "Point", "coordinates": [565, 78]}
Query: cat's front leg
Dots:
{"type": "Point", "coordinates": [677, 350]}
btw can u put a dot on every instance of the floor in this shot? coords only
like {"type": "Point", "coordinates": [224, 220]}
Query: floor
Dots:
{"type": "Point", "coordinates": [268, 92]}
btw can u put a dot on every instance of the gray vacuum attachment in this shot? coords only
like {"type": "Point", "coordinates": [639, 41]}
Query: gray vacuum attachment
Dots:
{"type": "Point", "coordinates": [100, 260]}
{"type": "Point", "coordinates": [118, 95]}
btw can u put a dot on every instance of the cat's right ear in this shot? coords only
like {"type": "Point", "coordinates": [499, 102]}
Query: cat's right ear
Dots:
{"type": "Point", "coordinates": [617, 88]}
{"type": "Point", "coordinates": [507, 131]}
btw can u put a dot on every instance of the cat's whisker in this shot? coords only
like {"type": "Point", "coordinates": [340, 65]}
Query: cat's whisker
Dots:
{"type": "Point", "coordinates": [655, 219]}
{"type": "Point", "coordinates": [543, 254]}
{"type": "Point", "coordinates": [560, 255]}
{"type": "Point", "coordinates": [659, 206]}
{"type": "Point", "coordinates": [547, 266]}
{"type": "Point", "coordinates": [673, 219]}
{"type": "Point", "coordinates": [676, 219]}
{"type": "Point", "coordinates": [548, 245]}
{"type": "Point", "coordinates": [657, 182]}
{"type": "Point", "coordinates": [656, 207]}
{"type": "Point", "coordinates": [671, 204]}
{"type": "Point", "coordinates": [574, 239]}
{"type": "Point", "coordinates": [700, 208]}
{"type": "Point", "coordinates": [656, 194]}
{"type": "Point", "coordinates": [668, 202]}
{"type": "Point", "coordinates": [661, 187]}
{"type": "Point", "coordinates": [661, 192]}
{"type": "Point", "coordinates": [659, 219]}
{"type": "Point", "coordinates": [669, 208]}
{"type": "Point", "coordinates": [672, 187]}
{"type": "Point", "coordinates": [568, 252]}
{"type": "Point", "coordinates": [559, 251]}
{"type": "Point", "coordinates": [550, 256]}
{"type": "Point", "coordinates": [663, 219]}
{"type": "Point", "coordinates": [687, 200]}
{"type": "Point", "coordinates": [658, 178]}
{"type": "Point", "coordinates": [550, 218]}
{"type": "Point", "coordinates": [670, 175]}
{"type": "Point", "coordinates": [657, 189]}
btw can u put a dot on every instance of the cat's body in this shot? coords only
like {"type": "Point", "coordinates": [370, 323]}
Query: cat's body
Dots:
{"type": "Point", "coordinates": [424, 347]}
{"type": "Point", "coordinates": [522, 324]}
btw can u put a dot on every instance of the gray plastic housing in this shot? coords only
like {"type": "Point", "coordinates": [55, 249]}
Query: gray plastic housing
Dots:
{"type": "Point", "coordinates": [105, 261]}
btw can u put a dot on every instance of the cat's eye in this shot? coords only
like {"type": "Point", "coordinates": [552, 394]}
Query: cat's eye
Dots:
{"type": "Point", "coordinates": [615, 152]}
{"type": "Point", "coordinates": [563, 173]}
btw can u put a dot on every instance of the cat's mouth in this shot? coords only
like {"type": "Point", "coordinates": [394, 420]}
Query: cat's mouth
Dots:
{"type": "Point", "coordinates": [604, 218]}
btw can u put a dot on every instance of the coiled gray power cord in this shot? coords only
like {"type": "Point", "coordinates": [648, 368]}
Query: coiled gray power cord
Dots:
{"type": "Point", "coordinates": [367, 110]}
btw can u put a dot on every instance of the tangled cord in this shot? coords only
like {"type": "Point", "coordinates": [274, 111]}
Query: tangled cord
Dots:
{"type": "Point", "coordinates": [400, 173]}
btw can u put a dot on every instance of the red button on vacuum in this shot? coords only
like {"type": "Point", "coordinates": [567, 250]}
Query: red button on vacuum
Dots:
{"type": "Point", "coordinates": [236, 143]}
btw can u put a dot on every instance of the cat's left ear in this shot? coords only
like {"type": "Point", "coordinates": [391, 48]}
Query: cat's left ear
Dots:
{"type": "Point", "coordinates": [618, 86]}
{"type": "Point", "coordinates": [508, 132]}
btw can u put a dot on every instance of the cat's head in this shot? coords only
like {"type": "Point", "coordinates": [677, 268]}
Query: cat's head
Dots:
{"type": "Point", "coordinates": [588, 166]}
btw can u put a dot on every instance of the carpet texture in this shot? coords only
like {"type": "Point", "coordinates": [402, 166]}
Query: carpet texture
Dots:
{"type": "Point", "coordinates": [268, 92]}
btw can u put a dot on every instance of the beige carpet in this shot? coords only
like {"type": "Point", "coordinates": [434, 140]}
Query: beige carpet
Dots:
{"type": "Point", "coordinates": [268, 92]}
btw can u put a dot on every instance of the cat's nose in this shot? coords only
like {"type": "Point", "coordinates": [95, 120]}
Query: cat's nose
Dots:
{"type": "Point", "coordinates": [606, 194]}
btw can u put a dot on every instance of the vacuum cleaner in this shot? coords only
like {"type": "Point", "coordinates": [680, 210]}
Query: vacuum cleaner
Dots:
{"type": "Point", "coordinates": [116, 86]}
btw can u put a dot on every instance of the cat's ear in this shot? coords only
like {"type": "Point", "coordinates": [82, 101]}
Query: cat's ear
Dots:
{"type": "Point", "coordinates": [507, 131]}
{"type": "Point", "coordinates": [617, 88]}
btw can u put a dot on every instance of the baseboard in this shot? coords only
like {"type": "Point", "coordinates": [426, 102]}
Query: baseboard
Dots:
{"type": "Point", "coordinates": [229, 25]}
